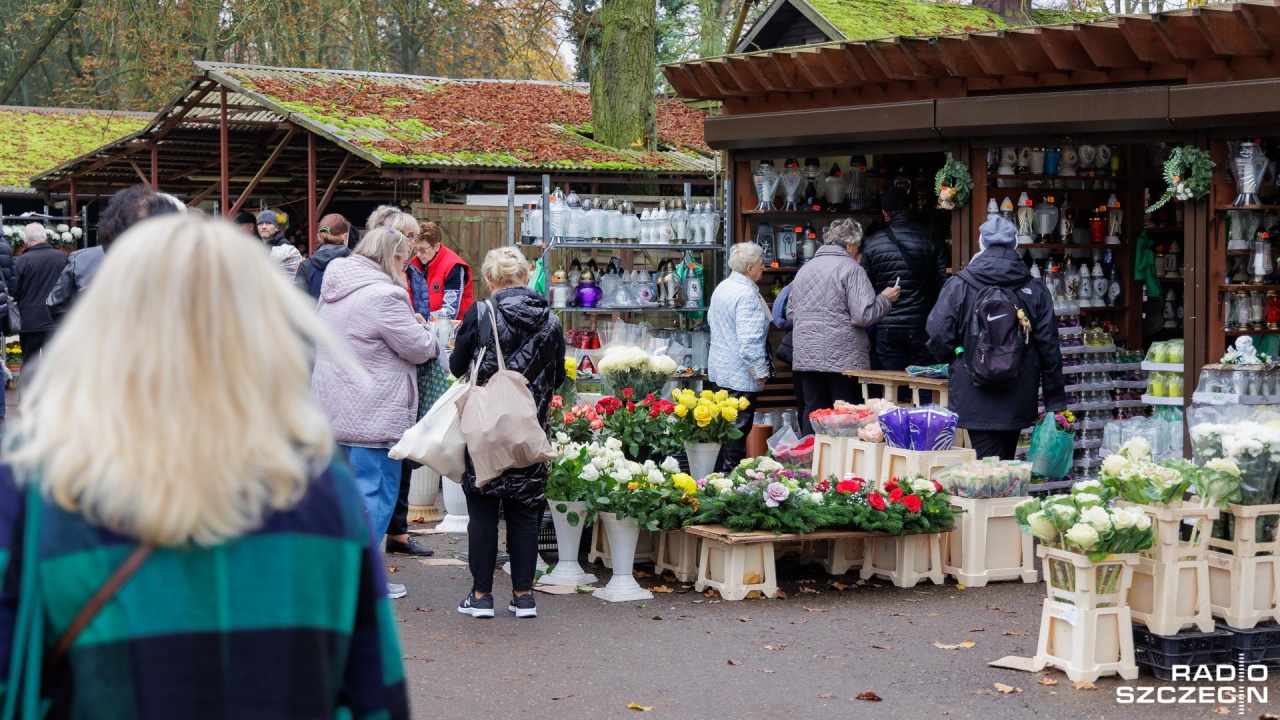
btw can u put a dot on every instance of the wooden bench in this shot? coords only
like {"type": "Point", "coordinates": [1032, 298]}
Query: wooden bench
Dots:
{"type": "Point", "coordinates": [891, 380]}
{"type": "Point", "coordinates": [736, 564]}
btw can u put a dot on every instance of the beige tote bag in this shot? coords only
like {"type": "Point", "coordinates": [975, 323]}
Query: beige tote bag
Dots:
{"type": "Point", "coordinates": [500, 419]}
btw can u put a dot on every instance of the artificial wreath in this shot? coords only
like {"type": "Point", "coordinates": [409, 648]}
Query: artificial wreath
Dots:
{"type": "Point", "coordinates": [1187, 173]}
{"type": "Point", "coordinates": [953, 185]}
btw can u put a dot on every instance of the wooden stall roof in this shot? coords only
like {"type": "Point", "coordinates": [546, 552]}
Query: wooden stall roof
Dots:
{"type": "Point", "coordinates": [36, 138]}
{"type": "Point", "coordinates": [374, 129]}
{"type": "Point", "coordinates": [1211, 44]}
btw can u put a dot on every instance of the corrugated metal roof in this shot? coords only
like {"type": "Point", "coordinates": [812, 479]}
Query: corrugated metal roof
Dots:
{"type": "Point", "coordinates": [373, 116]}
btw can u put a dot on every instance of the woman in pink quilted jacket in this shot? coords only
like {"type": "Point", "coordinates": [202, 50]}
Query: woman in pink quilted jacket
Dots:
{"type": "Point", "coordinates": [364, 297]}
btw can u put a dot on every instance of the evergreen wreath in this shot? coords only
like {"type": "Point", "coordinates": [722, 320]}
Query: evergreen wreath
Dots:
{"type": "Point", "coordinates": [953, 185]}
{"type": "Point", "coordinates": [1187, 172]}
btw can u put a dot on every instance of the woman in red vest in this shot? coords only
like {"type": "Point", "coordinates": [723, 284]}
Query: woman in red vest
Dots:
{"type": "Point", "coordinates": [439, 280]}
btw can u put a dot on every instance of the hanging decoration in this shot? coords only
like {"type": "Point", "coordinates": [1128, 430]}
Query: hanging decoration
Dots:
{"type": "Point", "coordinates": [953, 185]}
{"type": "Point", "coordinates": [1187, 172]}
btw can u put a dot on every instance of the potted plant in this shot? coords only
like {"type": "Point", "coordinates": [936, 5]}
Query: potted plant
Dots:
{"type": "Point", "coordinates": [627, 366]}
{"type": "Point", "coordinates": [704, 422]}
{"type": "Point", "coordinates": [645, 428]}
{"type": "Point", "coordinates": [634, 493]}
{"type": "Point", "coordinates": [570, 487]}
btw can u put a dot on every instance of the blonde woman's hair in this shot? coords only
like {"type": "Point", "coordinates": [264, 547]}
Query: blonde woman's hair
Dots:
{"type": "Point", "coordinates": [744, 255]}
{"type": "Point", "coordinates": [379, 216]}
{"type": "Point", "coordinates": [505, 267]}
{"type": "Point", "coordinates": [175, 402]}
{"type": "Point", "coordinates": [382, 245]}
{"type": "Point", "coordinates": [405, 223]}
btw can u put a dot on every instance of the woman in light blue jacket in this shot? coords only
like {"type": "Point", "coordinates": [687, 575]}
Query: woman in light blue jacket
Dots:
{"type": "Point", "coordinates": [738, 359]}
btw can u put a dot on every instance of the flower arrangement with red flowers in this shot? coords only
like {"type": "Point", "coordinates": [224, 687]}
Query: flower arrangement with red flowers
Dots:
{"type": "Point", "coordinates": [914, 505]}
{"type": "Point", "coordinates": [645, 428]}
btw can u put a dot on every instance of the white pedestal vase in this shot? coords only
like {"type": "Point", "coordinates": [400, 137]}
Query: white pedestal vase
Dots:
{"type": "Point", "coordinates": [424, 486]}
{"type": "Point", "coordinates": [702, 458]}
{"type": "Point", "coordinates": [623, 536]}
{"type": "Point", "coordinates": [455, 509]}
{"type": "Point", "coordinates": [568, 537]}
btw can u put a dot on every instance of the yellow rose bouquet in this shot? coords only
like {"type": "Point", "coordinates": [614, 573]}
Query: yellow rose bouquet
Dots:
{"type": "Point", "coordinates": [707, 417]}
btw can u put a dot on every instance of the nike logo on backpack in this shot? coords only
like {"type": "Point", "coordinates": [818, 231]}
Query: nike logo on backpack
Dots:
{"type": "Point", "coordinates": [997, 317]}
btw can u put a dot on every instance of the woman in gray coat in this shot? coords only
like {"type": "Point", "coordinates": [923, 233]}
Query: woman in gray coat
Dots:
{"type": "Point", "coordinates": [832, 304]}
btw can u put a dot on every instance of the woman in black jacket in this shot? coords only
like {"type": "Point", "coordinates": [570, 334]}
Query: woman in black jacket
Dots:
{"type": "Point", "coordinates": [533, 344]}
{"type": "Point", "coordinates": [995, 416]}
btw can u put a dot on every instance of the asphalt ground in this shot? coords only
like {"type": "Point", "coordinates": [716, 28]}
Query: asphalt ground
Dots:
{"type": "Point", "coordinates": [685, 655]}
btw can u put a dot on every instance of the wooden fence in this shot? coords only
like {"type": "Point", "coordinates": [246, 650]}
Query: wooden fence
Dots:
{"type": "Point", "coordinates": [469, 230]}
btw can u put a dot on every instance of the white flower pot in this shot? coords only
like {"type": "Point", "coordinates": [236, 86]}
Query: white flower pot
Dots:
{"type": "Point", "coordinates": [455, 509]}
{"type": "Point", "coordinates": [424, 486]}
{"type": "Point", "coordinates": [702, 458]}
{"type": "Point", "coordinates": [623, 535]}
{"type": "Point", "coordinates": [567, 571]}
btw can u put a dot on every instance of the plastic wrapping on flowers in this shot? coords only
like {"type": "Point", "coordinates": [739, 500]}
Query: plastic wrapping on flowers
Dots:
{"type": "Point", "coordinates": [628, 366]}
{"type": "Point", "coordinates": [1248, 437]}
{"type": "Point", "coordinates": [986, 478]}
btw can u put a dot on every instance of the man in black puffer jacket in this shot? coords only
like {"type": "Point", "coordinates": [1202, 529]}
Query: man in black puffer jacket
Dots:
{"type": "Point", "coordinates": [532, 344]}
{"type": "Point", "coordinates": [7, 271]}
{"type": "Point", "coordinates": [903, 254]}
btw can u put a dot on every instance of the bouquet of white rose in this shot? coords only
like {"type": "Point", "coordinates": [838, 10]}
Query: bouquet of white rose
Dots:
{"type": "Point", "coordinates": [1247, 438]}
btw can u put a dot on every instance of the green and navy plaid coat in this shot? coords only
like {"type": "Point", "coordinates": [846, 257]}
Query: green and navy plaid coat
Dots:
{"type": "Point", "coordinates": [288, 622]}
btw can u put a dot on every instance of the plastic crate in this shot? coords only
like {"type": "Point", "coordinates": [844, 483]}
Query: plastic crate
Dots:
{"type": "Point", "coordinates": [1260, 644]}
{"type": "Point", "coordinates": [1162, 665]}
{"type": "Point", "coordinates": [1183, 642]}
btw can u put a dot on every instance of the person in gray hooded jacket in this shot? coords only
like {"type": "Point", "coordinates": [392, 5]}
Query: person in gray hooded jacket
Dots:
{"type": "Point", "coordinates": [832, 304]}
{"type": "Point", "coordinates": [995, 416]}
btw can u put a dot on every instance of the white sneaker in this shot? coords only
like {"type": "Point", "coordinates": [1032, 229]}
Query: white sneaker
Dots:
{"type": "Point", "coordinates": [395, 591]}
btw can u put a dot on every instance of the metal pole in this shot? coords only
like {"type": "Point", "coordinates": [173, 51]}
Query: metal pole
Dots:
{"type": "Point", "coordinates": [511, 209]}
{"type": "Point", "coordinates": [225, 176]}
{"type": "Point", "coordinates": [313, 222]}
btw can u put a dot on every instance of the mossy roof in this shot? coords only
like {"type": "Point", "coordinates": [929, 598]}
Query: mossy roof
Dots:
{"type": "Point", "coordinates": [405, 120]}
{"type": "Point", "coordinates": [36, 139]}
{"type": "Point", "coordinates": [869, 19]}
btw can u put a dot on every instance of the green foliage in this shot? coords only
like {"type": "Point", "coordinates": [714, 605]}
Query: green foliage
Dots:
{"type": "Point", "coordinates": [37, 141]}
{"type": "Point", "coordinates": [1187, 175]}
{"type": "Point", "coordinates": [868, 19]}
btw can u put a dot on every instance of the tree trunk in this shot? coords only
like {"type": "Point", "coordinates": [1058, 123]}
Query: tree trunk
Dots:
{"type": "Point", "coordinates": [622, 74]}
{"type": "Point", "coordinates": [46, 38]}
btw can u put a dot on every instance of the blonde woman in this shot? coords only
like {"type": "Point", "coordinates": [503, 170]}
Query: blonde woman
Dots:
{"type": "Point", "coordinates": [533, 344]}
{"type": "Point", "coordinates": [363, 297]}
{"type": "Point", "coordinates": [200, 442]}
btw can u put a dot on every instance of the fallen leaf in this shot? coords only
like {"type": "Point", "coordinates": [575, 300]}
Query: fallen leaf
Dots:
{"type": "Point", "coordinates": [639, 575]}
{"type": "Point", "coordinates": [1007, 689]}
{"type": "Point", "coordinates": [959, 587]}
{"type": "Point", "coordinates": [393, 568]}
{"type": "Point", "coordinates": [1084, 685]}
{"type": "Point", "coordinates": [962, 645]}
{"type": "Point", "coordinates": [931, 614]}
{"type": "Point", "coordinates": [881, 647]}
{"type": "Point", "coordinates": [661, 589]}
{"type": "Point", "coordinates": [799, 622]}
{"type": "Point", "coordinates": [422, 609]}
{"type": "Point", "coordinates": [869, 696]}
{"type": "Point", "coordinates": [825, 695]}
{"type": "Point", "coordinates": [977, 629]}
{"type": "Point", "coordinates": [752, 578]}
{"type": "Point", "coordinates": [979, 692]}
{"type": "Point", "coordinates": [860, 582]}
{"type": "Point", "coordinates": [1047, 681]}
{"type": "Point", "coordinates": [755, 595]}
{"type": "Point", "coordinates": [911, 600]}
{"type": "Point", "coordinates": [807, 589]}
{"type": "Point", "coordinates": [1268, 716]}
{"type": "Point", "coordinates": [1221, 711]}
{"type": "Point", "coordinates": [711, 593]}
{"type": "Point", "coordinates": [731, 661]}
{"type": "Point", "coordinates": [766, 670]}
{"type": "Point", "coordinates": [697, 602]}
{"type": "Point", "coordinates": [815, 609]}
{"type": "Point", "coordinates": [562, 697]}
{"type": "Point", "coordinates": [744, 618]}
{"type": "Point", "coordinates": [1016, 633]}
{"type": "Point", "coordinates": [897, 615]}
{"type": "Point", "coordinates": [656, 617]}
{"type": "Point", "coordinates": [779, 646]}
{"type": "Point", "coordinates": [994, 607]}
{"type": "Point", "coordinates": [838, 586]}
{"type": "Point", "coordinates": [668, 577]}
{"type": "Point", "coordinates": [641, 708]}
{"type": "Point", "coordinates": [779, 594]}
{"type": "Point", "coordinates": [808, 581]}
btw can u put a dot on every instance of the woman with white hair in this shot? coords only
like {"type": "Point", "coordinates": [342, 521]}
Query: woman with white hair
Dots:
{"type": "Point", "coordinates": [532, 344]}
{"type": "Point", "coordinates": [832, 303]}
{"type": "Point", "coordinates": [202, 548]}
{"type": "Point", "coordinates": [738, 360]}
{"type": "Point", "coordinates": [364, 297]}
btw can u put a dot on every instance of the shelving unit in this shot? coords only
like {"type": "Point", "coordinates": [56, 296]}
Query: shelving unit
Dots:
{"type": "Point", "coordinates": [630, 254]}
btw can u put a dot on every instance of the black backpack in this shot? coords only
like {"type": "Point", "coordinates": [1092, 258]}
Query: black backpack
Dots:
{"type": "Point", "coordinates": [995, 341]}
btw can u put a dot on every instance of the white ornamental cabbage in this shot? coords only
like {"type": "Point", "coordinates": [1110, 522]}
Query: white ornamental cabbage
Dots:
{"type": "Point", "coordinates": [1097, 518]}
{"type": "Point", "coordinates": [721, 484]}
{"type": "Point", "coordinates": [769, 465]}
{"type": "Point", "coordinates": [1142, 522]}
{"type": "Point", "coordinates": [1086, 500]}
{"type": "Point", "coordinates": [1088, 486]}
{"type": "Point", "coordinates": [1136, 449]}
{"type": "Point", "coordinates": [1042, 527]}
{"type": "Point", "coordinates": [1082, 536]}
{"type": "Point", "coordinates": [1223, 465]}
{"type": "Point", "coordinates": [922, 486]}
{"type": "Point", "coordinates": [1114, 466]}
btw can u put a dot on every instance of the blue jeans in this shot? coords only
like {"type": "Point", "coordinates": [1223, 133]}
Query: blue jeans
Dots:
{"type": "Point", "coordinates": [378, 480]}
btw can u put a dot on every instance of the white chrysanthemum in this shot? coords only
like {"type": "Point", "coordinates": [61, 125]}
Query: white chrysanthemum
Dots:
{"type": "Point", "coordinates": [663, 364]}
{"type": "Point", "coordinates": [1082, 536]}
{"type": "Point", "coordinates": [77, 232]}
{"type": "Point", "coordinates": [63, 227]}
{"type": "Point", "coordinates": [1097, 517]}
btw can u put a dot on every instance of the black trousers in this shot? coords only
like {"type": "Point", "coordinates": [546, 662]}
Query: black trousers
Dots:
{"type": "Point", "coordinates": [994, 443]}
{"type": "Point", "coordinates": [482, 540]}
{"type": "Point", "coordinates": [400, 516]}
{"type": "Point", "coordinates": [31, 343]}
{"type": "Point", "coordinates": [822, 390]}
{"type": "Point", "coordinates": [732, 452]}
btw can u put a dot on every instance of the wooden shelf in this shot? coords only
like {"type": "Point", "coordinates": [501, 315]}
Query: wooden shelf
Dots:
{"type": "Point", "coordinates": [809, 213]}
{"type": "Point", "coordinates": [1239, 253]}
{"type": "Point", "coordinates": [1045, 176]}
{"type": "Point", "coordinates": [1119, 308]}
{"type": "Point", "coordinates": [784, 270]}
{"type": "Point", "coordinates": [1247, 288]}
{"type": "Point", "coordinates": [1071, 246]}
{"type": "Point", "coordinates": [1238, 333]}
{"type": "Point", "coordinates": [1163, 230]}
{"type": "Point", "coordinates": [1247, 207]}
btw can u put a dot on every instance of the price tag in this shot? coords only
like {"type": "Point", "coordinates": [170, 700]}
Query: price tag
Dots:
{"type": "Point", "coordinates": [1065, 612]}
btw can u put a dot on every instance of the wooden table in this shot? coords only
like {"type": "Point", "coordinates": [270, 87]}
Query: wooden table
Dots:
{"type": "Point", "coordinates": [736, 564]}
{"type": "Point", "coordinates": [891, 380]}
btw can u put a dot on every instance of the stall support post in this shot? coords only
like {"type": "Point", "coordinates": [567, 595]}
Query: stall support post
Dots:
{"type": "Point", "coordinates": [511, 210]}
{"type": "Point", "coordinates": [313, 222]}
{"type": "Point", "coordinates": [224, 176]}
